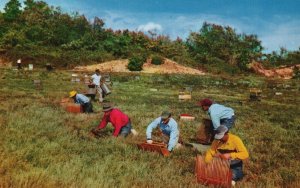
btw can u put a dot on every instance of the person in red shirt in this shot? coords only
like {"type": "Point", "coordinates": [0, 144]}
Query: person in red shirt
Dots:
{"type": "Point", "coordinates": [117, 118]}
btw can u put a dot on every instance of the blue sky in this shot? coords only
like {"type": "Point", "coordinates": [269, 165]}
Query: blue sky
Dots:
{"type": "Point", "coordinates": [276, 22]}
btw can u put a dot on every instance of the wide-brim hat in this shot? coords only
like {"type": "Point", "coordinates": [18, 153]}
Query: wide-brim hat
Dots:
{"type": "Point", "coordinates": [107, 107]}
{"type": "Point", "coordinates": [221, 131]}
{"type": "Point", "coordinates": [72, 93]}
{"type": "Point", "coordinates": [165, 114]}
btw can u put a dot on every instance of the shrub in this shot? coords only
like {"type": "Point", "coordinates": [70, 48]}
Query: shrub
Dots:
{"type": "Point", "coordinates": [296, 73]}
{"type": "Point", "coordinates": [135, 64]}
{"type": "Point", "coordinates": [157, 60]}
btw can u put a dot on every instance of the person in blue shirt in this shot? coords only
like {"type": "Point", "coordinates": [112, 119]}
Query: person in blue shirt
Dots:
{"type": "Point", "coordinates": [83, 101]}
{"type": "Point", "coordinates": [168, 127]}
{"type": "Point", "coordinates": [219, 114]}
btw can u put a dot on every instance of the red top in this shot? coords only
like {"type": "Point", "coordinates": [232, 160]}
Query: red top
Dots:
{"type": "Point", "coordinates": [117, 118]}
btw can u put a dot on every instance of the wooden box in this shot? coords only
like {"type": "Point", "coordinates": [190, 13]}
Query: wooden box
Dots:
{"type": "Point", "coordinates": [216, 173]}
{"type": "Point", "coordinates": [185, 96]}
{"type": "Point", "coordinates": [205, 133]}
{"type": "Point", "coordinates": [74, 108]}
{"type": "Point", "coordinates": [155, 147]}
{"type": "Point", "coordinates": [186, 117]}
{"type": "Point", "coordinates": [255, 94]}
{"type": "Point", "coordinates": [64, 102]}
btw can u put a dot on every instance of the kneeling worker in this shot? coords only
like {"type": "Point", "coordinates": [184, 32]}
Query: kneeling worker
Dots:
{"type": "Point", "coordinates": [168, 127]}
{"type": "Point", "coordinates": [229, 147]}
{"type": "Point", "coordinates": [117, 118]}
{"type": "Point", "coordinates": [83, 101]}
{"type": "Point", "coordinates": [219, 114]}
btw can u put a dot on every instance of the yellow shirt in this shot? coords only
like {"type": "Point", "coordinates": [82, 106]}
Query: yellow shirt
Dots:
{"type": "Point", "coordinates": [234, 143]}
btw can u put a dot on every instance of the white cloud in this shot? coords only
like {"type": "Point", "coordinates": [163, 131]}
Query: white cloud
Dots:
{"type": "Point", "coordinates": [285, 34]}
{"type": "Point", "coordinates": [150, 26]}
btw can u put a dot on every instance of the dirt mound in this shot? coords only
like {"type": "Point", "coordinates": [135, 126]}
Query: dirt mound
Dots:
{"type": "Point", "coordinates": [168, 67]}
{"type": "Point", "coordinates": [5, 63]}
{"type": "Point", "coordinates": [284, 72]}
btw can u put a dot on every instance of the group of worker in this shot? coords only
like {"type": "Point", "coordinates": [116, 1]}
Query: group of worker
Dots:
{"type": "Point", "coordinates": [225, 145]}
{"type": "Point", "coordinates": [85, 101]}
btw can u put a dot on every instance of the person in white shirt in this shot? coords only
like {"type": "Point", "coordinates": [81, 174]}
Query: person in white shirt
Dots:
{"type": "Point", "coordinates": [19, 64]}
{"type": "Point", "coordinates": [96, 78]}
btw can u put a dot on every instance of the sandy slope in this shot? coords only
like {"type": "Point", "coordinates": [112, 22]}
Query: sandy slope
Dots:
{"type": "Point", "coordinates": [284, 72]}
{"type": "Point", "coordinates": [169, 67]}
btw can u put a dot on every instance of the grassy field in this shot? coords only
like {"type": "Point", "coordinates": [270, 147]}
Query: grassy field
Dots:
{"type": "Point", "coordinates": [41, 145]}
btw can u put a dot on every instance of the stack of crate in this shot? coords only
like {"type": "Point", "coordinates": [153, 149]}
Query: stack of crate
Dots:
{"type": "Point", "coordinates": [216, 173]}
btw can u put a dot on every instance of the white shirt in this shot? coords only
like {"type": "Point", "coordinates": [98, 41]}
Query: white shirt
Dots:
{"type": "Point", "coordinates": [19, 61]}
{"type": "Point", "coordinates": [96, 79]}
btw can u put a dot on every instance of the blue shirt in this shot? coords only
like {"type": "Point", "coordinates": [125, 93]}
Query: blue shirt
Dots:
{"type": "Point", "coordinates": [81, 99]}
{"type": "Point", "coordinates": [170, 129]}
{"type": "Point", "coordinates": [218, 112]}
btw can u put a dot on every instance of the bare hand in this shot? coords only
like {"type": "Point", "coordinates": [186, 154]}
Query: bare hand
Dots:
{"type": "Point", "coordinates": [225, 156]}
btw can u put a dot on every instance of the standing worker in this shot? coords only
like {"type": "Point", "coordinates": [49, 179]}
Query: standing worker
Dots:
{"type": "Point", "coordinates": [96, 78]}
{"type": "Point", "coordinates": [83, 101]}
{"type": "Point", "coordinates": [168, 127]}
{"type": "Point", "coordinates": [229, 147]}
{"type": "Point", "coordinates": [19, 64]}
{"type": "Point", "coordinates": [219, 114]}
{"type": "Point", "coordinates": [117, 118]}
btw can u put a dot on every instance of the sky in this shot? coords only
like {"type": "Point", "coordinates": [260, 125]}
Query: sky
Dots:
{"type": "Point", "coordinates": [275, 22]}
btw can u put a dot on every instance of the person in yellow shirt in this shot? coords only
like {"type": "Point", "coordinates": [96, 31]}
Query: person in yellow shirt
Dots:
{"type": "Point", "coordinates": [229, 147]}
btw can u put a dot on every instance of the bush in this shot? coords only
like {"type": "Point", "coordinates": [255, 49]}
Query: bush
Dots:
{"type": "Point", "coordinates": [157, 60]}
{"type": "Point", "coordinates": [135, 64]}
{"type": "Point", "coordinates": [296, 73]}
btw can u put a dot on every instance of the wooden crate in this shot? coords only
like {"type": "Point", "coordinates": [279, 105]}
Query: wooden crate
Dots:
{"type": "Point", "coordinates": [70, 106]}
{"type": "Point", "coordinates": [74, 108]}
{"type": "Point", "coordinates": [184, 97]}
{"type": "Point", "coordinates": [64, 102]}
{"type": "Point", "coordinates": [155, 147]}
{"type": "Point", "coordinates": [186, 117]}
{"type": "Point", "coordinates": [255, 94]}
{"type": "Point", "coordinates": [205, 132]}
{"type": "Point", "coordinates": [216, 173]}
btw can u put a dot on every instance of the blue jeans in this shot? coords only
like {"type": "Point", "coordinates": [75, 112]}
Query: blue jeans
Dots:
{"type": "Point", "coordinates": [228, 122]}
{"type": "Point", "coordinates": [236, 167]}
{"type": "Point", "coordinates": [126, 130]}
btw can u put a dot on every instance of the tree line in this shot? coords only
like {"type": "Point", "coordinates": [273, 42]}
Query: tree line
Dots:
{"type": "Point", "coordinates": [40, 34]}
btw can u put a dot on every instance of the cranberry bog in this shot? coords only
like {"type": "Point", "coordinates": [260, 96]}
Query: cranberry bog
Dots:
{"type": "Point", "coordinates": [43, 145]}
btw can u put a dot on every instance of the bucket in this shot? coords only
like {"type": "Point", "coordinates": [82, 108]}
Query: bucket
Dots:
{"type": "Point", "coordinates": [105, 89]}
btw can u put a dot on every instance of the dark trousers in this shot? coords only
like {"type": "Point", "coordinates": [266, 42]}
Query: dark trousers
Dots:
{"type": "Point", "coordinates": [87, 107]}
{"type": "Point", "coordinates": [126, 130]}
{"type": "Point", "coordinates": [228, 122]}
{"type": "Point", "coordinates": [236, 167]}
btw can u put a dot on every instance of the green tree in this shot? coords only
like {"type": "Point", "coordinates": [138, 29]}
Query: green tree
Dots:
{"type": "Point", "coordinates": [12, 11]}
{"type": "Point", "coordinates": [215, 44]}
